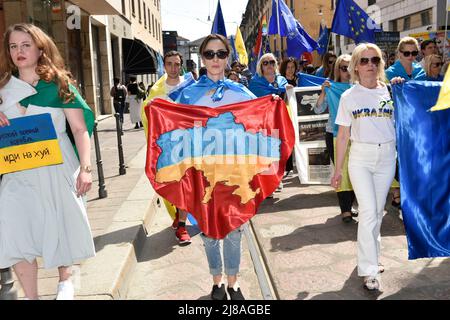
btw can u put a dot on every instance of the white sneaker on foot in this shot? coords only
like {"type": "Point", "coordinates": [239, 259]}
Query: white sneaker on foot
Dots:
{"type": "Point", "coordinates": [65, 290]}
{"type": "Point", "coordinates": [371, 283]}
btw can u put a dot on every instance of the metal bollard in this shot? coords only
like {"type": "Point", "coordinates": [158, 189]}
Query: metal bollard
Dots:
{"type": "Point", "coordinates": [7, 291]}
{"type": "Point", "coordinates": [122, 169]}
{"type": "Point", "coordinates": [101, 178]}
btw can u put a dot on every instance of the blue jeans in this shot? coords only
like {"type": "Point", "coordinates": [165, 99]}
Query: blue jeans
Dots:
{"type": "Point", "coordinates": [231, 253]}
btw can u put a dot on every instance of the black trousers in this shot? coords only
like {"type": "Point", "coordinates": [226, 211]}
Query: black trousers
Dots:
{"type": "Point", "coordinates": [345, 198]}
{"type": "Point", "coordinates": [119, 107]}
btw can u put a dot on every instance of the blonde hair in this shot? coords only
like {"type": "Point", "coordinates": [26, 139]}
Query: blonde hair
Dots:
{"type": "Point", "coordinates": [407, 40]}
{"type": "Point", "coordinates": [356, 56]}
{"type": "Point", "coordinates": [259, 65]}
{"type": "Point", "coordinates": [335, 74]}
{"type": "Point", "coordinates": [50, 66]}
{"type": "Point", "coordinates": [428, 60]}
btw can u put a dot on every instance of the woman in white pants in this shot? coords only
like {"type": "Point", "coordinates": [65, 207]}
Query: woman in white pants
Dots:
{"type": "Point", "coordinates": [366, 117]}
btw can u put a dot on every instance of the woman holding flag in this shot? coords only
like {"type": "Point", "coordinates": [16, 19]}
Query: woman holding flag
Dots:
{"type": "Point", "coordinates": [368, 109]}
{"type": "Point", "coordinates": [214, 90]}
{"type": "Point", "coordinates": [42, 210]}
{"type": "Point", "coordinates": [267, 80]}
{"type": "Point", "coordinates": [341, 78]}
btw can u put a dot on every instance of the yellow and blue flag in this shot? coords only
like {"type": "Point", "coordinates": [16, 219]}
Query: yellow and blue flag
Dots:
{"type": "Point", "coordinates": [423, 147]}
{"type": "Point", "coordinates": [444, 96]}
{"type": "Point", "coordinates": [353, 22]}
{"type": "Point", "coordinates": [29, 142]}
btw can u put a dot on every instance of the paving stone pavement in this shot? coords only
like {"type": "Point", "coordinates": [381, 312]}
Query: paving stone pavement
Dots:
{"type": "Point", "coordinates": [311, 253]}
{"type": "Point", "coordinates": [118, 187]}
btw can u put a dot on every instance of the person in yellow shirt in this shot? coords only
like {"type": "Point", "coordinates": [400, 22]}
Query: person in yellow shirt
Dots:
{"type": "Point", "coordinates": [169, 84]}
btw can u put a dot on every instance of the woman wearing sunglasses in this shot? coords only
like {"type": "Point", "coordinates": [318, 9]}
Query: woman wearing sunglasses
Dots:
{"type": "Point", "coordinates": [433, 66]}
{"type": "Point", "coordinates": [267, 79]}
{"type": "Point", "coordinates": [341, 76]}
{"type": "Point", "coordinates": [367, 109]}
{"type": "Point", "coordinates": [327, 65]}
{"type": "Point", "coordinates": [214, 90]}
{"type": "Point", "coordinates": [406, 66]}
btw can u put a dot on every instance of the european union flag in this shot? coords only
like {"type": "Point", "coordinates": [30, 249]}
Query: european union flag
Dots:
{"type": "Point", "coordinates": [353, 22]}
{"type": "Point", "coordinates": [423, 150]}
{"type": "Point", "coordinates": [297, 39]}
{"type": "Point", "coordinates": [218, 23]}
{"type": "Point", "coordinates": [323, 40]}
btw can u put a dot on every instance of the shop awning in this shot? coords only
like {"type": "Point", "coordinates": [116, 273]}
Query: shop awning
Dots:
{"type": "Point", "coordinates": [138, 58]}
{"type": "Point", "coordinates": [101, 7]}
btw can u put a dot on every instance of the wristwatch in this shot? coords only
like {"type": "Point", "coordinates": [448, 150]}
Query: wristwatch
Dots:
{"type": "Point", "coordinates": [86, 169]}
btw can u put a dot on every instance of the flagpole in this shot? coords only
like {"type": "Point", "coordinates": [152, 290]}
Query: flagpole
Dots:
{"type": "Point", "coordinates": [445, 32]}
{"type": "Point", "coordinates": [278, 26]}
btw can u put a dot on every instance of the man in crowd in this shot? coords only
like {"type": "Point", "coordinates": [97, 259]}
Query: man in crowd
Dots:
{"type": "Point", "coordinates": [169, 83]}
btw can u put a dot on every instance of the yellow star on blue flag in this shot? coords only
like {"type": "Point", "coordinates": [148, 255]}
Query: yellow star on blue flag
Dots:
{"type": "Point", "coordinates": [353, 22]}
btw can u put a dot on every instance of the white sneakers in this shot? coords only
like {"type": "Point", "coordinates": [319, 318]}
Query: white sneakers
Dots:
{"type": "Point", "coordinates": [65, 290]}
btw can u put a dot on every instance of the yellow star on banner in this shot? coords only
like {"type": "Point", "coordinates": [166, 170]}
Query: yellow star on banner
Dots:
{"type": "Point", "coordinates": [362, 20]}
{"type": "Point", "coordinates": [350, 21]}
{"type": "Point", "coordinates": [352, 8]}
{"type": "Point", "coordinates": [353, 29]}
{"type": "Point", "coordinates": [444, 96]}
{"type": "Point", "coordinates": [357, 33]}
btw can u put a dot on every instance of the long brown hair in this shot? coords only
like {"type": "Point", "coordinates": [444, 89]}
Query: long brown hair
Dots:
{"type": "Point", "coordinates": [50, 64]}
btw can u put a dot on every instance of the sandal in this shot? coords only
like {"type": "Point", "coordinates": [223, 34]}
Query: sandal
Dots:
{"type": "Point", "coordinates": [371, 283]}
{"type": "Point", "coordinates": [347, 217]}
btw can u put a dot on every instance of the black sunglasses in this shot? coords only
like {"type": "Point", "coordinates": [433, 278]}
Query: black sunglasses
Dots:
{"type": "Point", "coordinates": [437, 64]}
{"type": "Point", "coordinates": [414, 53]}
{"type": "Point", "coordinates": [375, 60]}
{"type": "Point", "coordinates": [344, 68]}
{"type": "Point", "coordinates": [221, 54]}
{"type": "Point", "coordinates": [267, 62]}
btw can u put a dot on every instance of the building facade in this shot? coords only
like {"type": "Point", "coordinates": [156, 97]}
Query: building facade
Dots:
{"type": "Point", "coordinates": [89, 35]}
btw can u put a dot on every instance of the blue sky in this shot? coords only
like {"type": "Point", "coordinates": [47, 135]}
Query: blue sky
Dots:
{"type": "Point", "coordinates": [189, 17]}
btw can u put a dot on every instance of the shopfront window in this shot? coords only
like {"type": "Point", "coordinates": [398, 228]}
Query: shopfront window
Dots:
{"type": "Point", "coordinates": [39, 14]}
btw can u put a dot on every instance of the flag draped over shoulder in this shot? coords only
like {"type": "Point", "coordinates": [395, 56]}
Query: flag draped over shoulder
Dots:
{"type": "Point", "coordinates": [261, 87]}
{"type": "Point", "coordinates": [444, 96]}
{"type": "Point", "coordinates": [221, 181]}
{"type": "Point", "coordinates": [423, 147]}
{"type": "Point", "coordinates": [308, 80]}
{"type": "Point", "coordinates": [353, 22]}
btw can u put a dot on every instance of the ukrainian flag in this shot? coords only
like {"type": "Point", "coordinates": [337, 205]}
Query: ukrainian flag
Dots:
{"type": "Point", "coordinates": [27, 143]}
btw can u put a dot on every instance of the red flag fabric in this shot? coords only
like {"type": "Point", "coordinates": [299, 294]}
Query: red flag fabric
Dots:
{"type": "Point", "coordinates": [258, 44]}
{"type": "Point", "coordinates": [219, 164]}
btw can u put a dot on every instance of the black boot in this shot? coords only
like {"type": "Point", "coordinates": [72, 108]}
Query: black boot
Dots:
{"type": "Point", "coordinates": [218, 293]}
